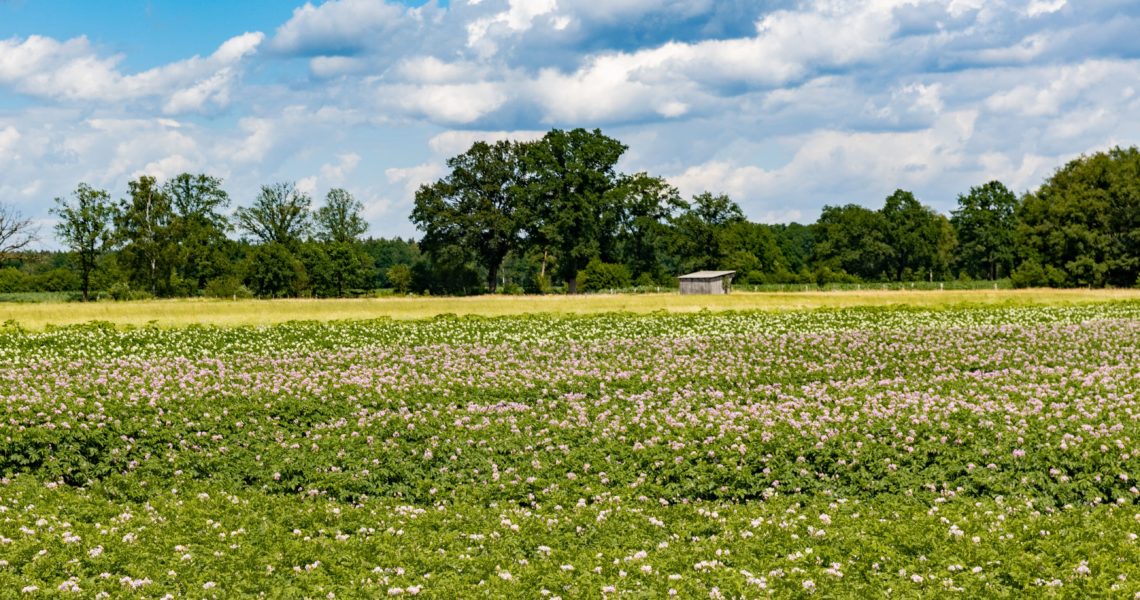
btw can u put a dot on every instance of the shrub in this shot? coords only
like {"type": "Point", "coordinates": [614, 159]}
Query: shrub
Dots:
{"type": "Point", "coordinates": [400, 276]}
{"type": "Point", "coordinates": [14, 280]}
{"type": "Point", "coordinates": [226, 287]}
{"type": "Point", "coordinates": [599, 276]}
{"type": "Point", "coordinates": [122, 291]}
{"type": "Point", "coordinates": [1029, 274]}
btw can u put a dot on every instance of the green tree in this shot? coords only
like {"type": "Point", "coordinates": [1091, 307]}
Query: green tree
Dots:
{"type": "Point", "coordinates": [1084, 221]}
{"type": "Point", "coordinates": [275, 272]}
{"type": "Point", "coordinates": [400, 276]}
{"type": "Point", "coordinates": [569, 177]}
{"type": "Point", "coordinates": [984, 223]}
{"type": "Point", "coordinates": [751, 250]}
{"type": "Point", "coordinates": [85, 228]}
{"type": "Point", "coordinates": [280, 214]}
{"type": "Point", "coordinates": [699, 233]}
{"type": "Point", "coordinates": [199, 228]}
{"type": "Point", "coordinates": [599, 276]}
{"type": "Point", "coordinates": [912, 233]}
{"type": "Point", "coordinates": [477, 208]}
{"type": "Point", "coordinates": [851, 239]}
{"type": "Point", "coordinates": [640, 207]}
{"type": "Point", "coordinates": [145, 236]}
{"type": "Point", "coordinates": [795, 242]}
{"type": "Point", "coordinates": [339, 220]}
{"type": "Point", "coordinates": [388, 252]}
{"type": "Point", "coordinates": [335, 268]}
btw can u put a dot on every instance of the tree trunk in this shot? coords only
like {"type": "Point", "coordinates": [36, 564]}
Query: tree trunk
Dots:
{"type": "Point", "coordinates": [572, 284]}
{"type": "Point", "coordinates": [492, 278]}
{"type": "Point", "coordinates": [85, 276]}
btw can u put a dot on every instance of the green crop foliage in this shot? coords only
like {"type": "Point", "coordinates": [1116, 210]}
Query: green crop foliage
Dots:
{"type": "Point", "coordinates": [842, 453]}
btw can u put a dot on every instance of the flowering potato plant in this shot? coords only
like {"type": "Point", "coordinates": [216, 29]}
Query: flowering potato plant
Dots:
{"type": "Point", "coordinates": [843, 453]}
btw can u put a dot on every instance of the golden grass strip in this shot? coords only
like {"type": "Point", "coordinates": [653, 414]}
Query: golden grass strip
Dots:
{"type": "Point", "coordinates": [174, 313]}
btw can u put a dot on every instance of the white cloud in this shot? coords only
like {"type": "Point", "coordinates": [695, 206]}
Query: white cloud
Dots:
{"type": "Point", "coordinates": [73, 71]}
{"type": "Point", "coordinates": [448, 103]}
{"type": "Point", "coordinates": [336, 173]}
{"type": "Point", "coordinates": [1038, 8]}
{"type": "Point", "coordinates": [429, 69]}
{"type": "Point", "coordinates": [1057, 87]}
{"type": "Point", "coordinates": [335, 26]}
{"type": "Point", "coordinates": [8, 138]}
{"type": "Point", "coordinates": [827, 162]}
{"type": "Point", "coordinates": [411, 178]}
{"type": "Point", "coordinates": [307, 185]}
{"type": "Point", "coordinates": [259, 139]}
{"type": "Point", "coordinates": [519, 17]}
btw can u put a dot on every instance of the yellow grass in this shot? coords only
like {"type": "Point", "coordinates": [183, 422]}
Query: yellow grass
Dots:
{"type": "Point", "coordinates": [172, 313]}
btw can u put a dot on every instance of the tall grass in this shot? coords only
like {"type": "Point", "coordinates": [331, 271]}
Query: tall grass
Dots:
{"type": "Point", "coordinates": [174, 313]}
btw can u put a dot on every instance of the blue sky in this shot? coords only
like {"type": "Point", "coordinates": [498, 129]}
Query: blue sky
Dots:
{"type": "Point", "coordinates": [785, 105]}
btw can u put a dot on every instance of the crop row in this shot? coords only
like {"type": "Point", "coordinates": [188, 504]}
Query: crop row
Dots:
{"type": "Point", "coordinates": [834, 451]}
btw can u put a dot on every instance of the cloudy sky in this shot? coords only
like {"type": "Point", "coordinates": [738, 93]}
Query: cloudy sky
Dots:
{"type": "Point", "coordinates": [785, 105]}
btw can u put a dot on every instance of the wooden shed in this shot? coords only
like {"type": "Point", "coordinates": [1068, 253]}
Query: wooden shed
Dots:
{"type": "Point", "coordinates": [707, 282]}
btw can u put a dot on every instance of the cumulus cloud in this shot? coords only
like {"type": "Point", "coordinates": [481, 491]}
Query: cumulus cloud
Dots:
{"type": "Point", "coordinates": [73, 70]}
{"type": "Point", "coordinates": [786, 105]}
{"type": "Point", "coordinates": [336, 27]}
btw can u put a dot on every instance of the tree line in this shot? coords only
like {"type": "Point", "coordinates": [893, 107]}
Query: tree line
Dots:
{"type": "Point", "coordinates": [556, 214]}
{"type": "Point", "coordinates": [557, 210]}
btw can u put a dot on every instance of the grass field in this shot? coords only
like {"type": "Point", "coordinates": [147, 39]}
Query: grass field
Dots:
{"type": "Point", "coordinates": [172, 313]}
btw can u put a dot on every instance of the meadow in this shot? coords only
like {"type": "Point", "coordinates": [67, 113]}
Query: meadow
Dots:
{"type": "Point", "coordinates": [182, 312]}
{"type": "Point", "coordinates": [978, 448]}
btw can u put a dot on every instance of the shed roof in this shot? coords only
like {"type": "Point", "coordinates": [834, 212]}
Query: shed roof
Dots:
{"type": "Point", "coordinates": [707, 275]}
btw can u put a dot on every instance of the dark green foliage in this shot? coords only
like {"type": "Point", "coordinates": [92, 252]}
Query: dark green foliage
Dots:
{"type": "Point", "coordinates": [144, 231]}
{"type": "Point", "coordinates": [638, 209]}
{"type": "Point", "coordinates": [274, 272]}
{"type": "Point", "coordinates": [477, 209]}
{"type": "Point", "coordinates": [339, 219]}
{"type": "Point", "coordinates": [336, 268]}
{"type": "Point", "coordinates": [535, 214]}
{"type": "Point", "coordinates": [14, 280]}
{"type": "Point", "coordinates": [199, 230]}
{"type": "Point", "coordinates": [852, 239]}
{"type": "Point", "coordinates": [400, 278]}
{"type": "Point", "coordinates": [571, 175]}
{"type": "Point", "coordinates": [85, 228]}
{"type": "Point", "coordinates": [599, 276]}
{"type": "Point", "coordinates": [280, 214]}
{"type": "Point", "coordinates": [701, 233]}
{"type": "Point", "coordinates": [227, 286]}
{"type": "Point", "coordinates": [984, 223]}
{"type": "Point", "coordinates": [1085, 220]}
{"type": "Point", "coordinates": [915, 235]}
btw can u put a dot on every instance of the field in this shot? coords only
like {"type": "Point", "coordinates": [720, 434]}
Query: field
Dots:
{"type": "Point", "coordinates": [174, 313]}
{"type": "Point", "coordinates": [983, 446]}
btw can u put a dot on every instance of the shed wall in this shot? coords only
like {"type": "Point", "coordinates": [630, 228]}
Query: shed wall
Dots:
{"type": "Point", "coordinates": [703, 286]}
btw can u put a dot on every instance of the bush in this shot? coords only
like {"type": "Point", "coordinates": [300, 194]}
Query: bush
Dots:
{"type": "Point", "coordinates": [599, 276]}
{"type": "Point", "coordinates": [645, 280]}
{"type": "Point", "coordinates": [14, 280]}
{"type": "Point", "coordinates": [226, 287]}
{"type": "Point", "coordinates": [58, 279]}
{"type": "Point", "coordinates": [122, 291]}
{"type": "Point", "coordinates": [400, 276]}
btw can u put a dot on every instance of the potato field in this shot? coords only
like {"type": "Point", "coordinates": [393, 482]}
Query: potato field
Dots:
{"type": "Point", "coordinates": [852, 453]}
